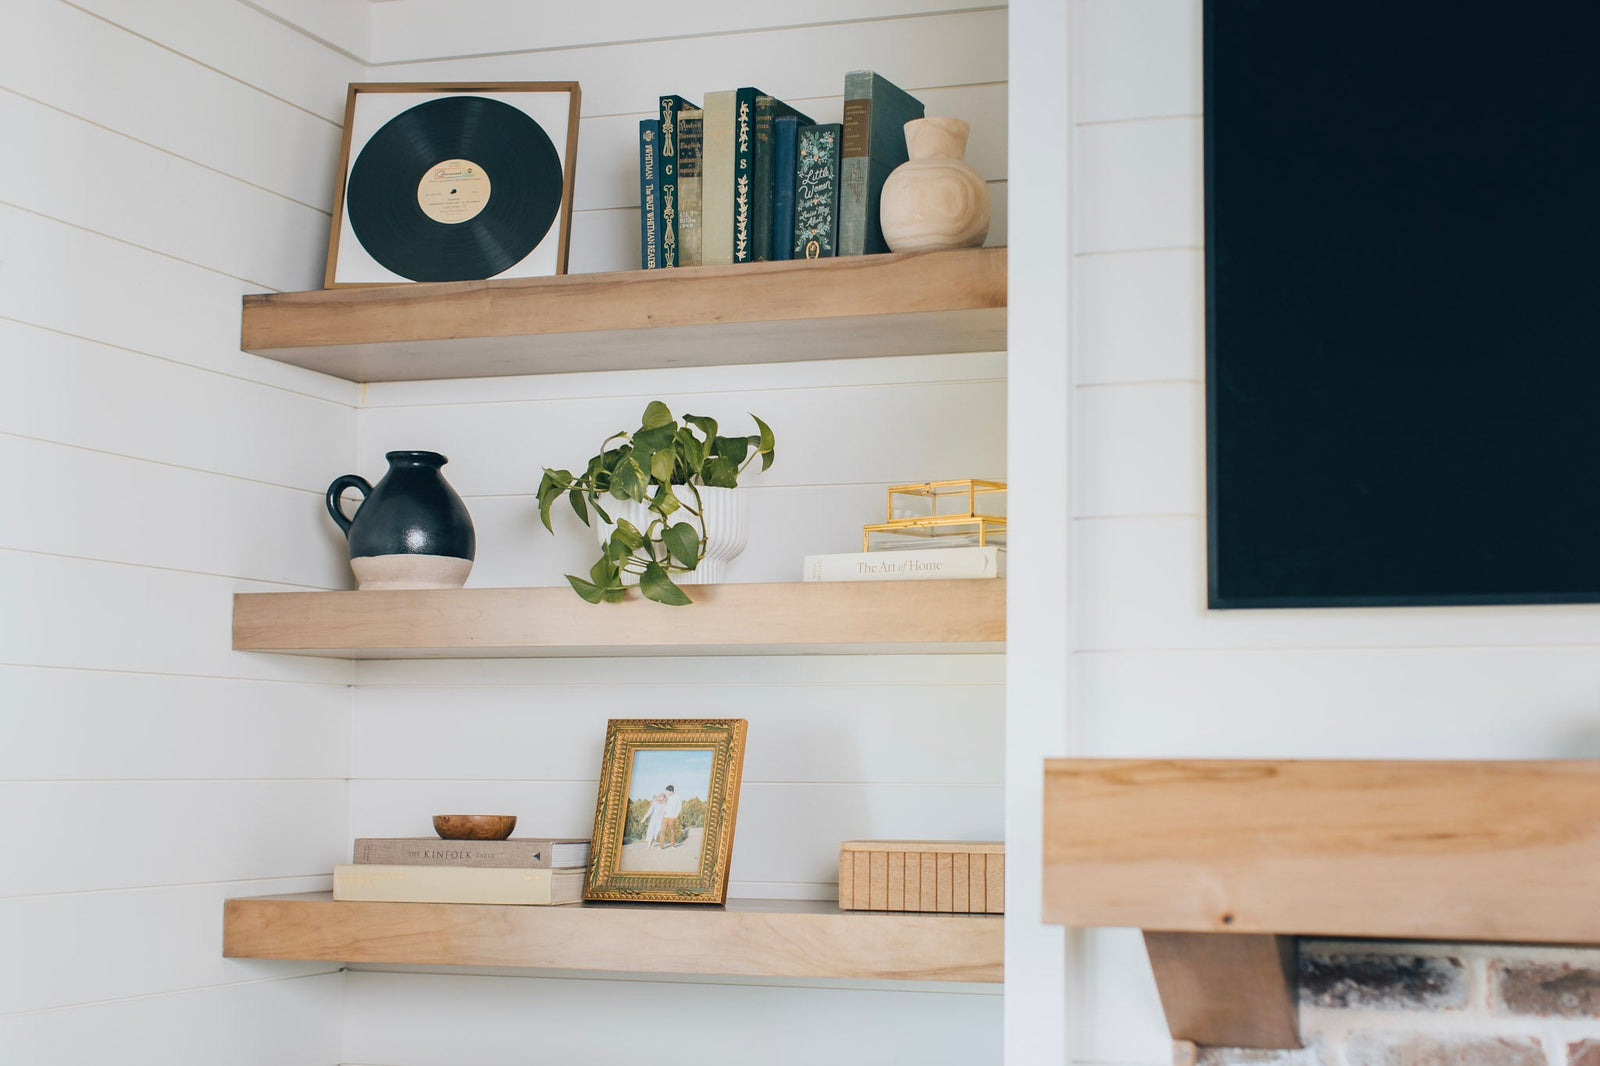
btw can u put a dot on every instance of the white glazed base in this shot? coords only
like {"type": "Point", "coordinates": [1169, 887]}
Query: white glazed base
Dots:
{"type": "Point", "coordinates": [727, 526]}
{"type": "Point", "coordinates": [379, 572]}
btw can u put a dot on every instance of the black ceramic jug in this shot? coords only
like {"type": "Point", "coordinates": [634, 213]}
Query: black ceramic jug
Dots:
{"type": "Point", "coordinates": [411, 531]}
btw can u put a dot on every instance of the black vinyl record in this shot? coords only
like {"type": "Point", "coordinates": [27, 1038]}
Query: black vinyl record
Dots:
{"type": "Point", "coordinates": [511, 151]}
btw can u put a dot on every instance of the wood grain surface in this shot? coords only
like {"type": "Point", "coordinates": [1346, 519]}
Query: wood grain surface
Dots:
{"type": "Point", "coordinates": [1493, 851]}
{"type": "Point", "coordinates": [858, 306]}
{"type": "Point", "coordinates": [796, 617]}
{"type": "Point", "coordinates": [789, 938]}
{"type": "Point", "coordinates": [1225, 990]}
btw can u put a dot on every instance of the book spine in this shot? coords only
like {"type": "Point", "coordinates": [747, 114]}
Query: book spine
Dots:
{"type": "Point", "coordinates": [855, 162]}
{"type": "Point", "coordinates": [761, 172]}
{"type": "Point", "coordinates": [403, 851]}
{"type": "Point", "coordinates": [932, 564]}
{"type": "Point", "coordinates": [744, 175]}
{"type": "Point", "coordinates": [453, 884]}
{"type": "Point", "coordinates": [689, 126]}
{"type": "Point", "coordinates": [671, 107]}
{"type": "Point", "coordinates": [649, 194]}
{"type": "Point", "coordinates": [716, 179]}
{"type": "Point", "coordinates": [816, 192]}
{"type": "Point", "coordinates": [785, 134]}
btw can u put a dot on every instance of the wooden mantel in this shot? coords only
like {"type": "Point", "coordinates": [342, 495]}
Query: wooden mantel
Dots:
{"type": "Point", "coordinates": [1222, 862]}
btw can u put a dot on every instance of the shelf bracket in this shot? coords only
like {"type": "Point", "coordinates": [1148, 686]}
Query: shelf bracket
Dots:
{"type": "Point", "coordinates": [1227, 989]}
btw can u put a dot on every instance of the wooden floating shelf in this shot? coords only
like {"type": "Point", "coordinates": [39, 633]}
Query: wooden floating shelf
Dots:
{"type": "Point", "coordinates": [778, 938]}
{"type": "Point", "coordinates": [751, 619]}
{"type": "Point", "coordinates": [918, 303]}
{"type": "Point", "coordinates": [1221, 861]}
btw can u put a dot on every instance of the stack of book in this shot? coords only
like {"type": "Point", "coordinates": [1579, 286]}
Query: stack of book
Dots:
{"type": "Point", "coordinates": [429, 870]}
{"type": "Point", "coordinates": [747, 178]}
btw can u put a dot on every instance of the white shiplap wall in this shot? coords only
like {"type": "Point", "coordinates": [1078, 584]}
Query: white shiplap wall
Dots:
{"type": "Point", "coordinates": [840, 747]}
{"type": "Point", "coordinates": [146, 771]}
{"type": "Point", "coordinates": [1157, 674]}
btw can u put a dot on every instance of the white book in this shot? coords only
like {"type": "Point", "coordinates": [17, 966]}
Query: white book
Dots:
{"type": "Point", "coordinates": [920, 564]}
{"type": "Point", "coordinates": [375, 883]}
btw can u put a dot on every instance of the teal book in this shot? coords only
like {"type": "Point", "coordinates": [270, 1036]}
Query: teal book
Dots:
{"type": "Point", "coordinates": [668, 158]}
{"type": "Point", "coordinates": [816, 192]}
{"type": "Point", "coordinates": [744, 144]}
{"type": "Point", "coordinates": [649, 194]}
{"type": "Point", "coordinates": [768, 110]}
{"type": "Point", "coordinates": [875, 115]}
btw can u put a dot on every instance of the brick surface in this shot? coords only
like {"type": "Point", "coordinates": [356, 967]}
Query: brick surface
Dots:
{"type": "Point", "coordinates": [1382, 982]}
{"type": "Point", "coordinates": [1584, 1053]}
{"type": "Point", "coordinates": [1547, 990]}
{"type": "Point", "coordinates": [1422, 1049]}
{"type": "Point", "coordinates": [1310, 1055]}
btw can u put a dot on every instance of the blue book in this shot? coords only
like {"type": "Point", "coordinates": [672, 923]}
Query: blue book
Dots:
{"type": "Point", "coordinates": [667, 156]}
{"type": "Point", "coordinates": [785, 140]}
{"type": "Point", "coordinates": [816, 192]}
{"type": "Point", "coordinates": [649, 194]}
{"type": "Point", "coordinates": [768, 110]}
{"type": "Point", "coordinates": [875, 115]}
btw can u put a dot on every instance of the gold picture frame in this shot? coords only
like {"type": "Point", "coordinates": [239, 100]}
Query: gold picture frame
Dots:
{"type": "Point", "coordinates": [560, 99]}
{"type": "Point", "coordinates": [664, 819]}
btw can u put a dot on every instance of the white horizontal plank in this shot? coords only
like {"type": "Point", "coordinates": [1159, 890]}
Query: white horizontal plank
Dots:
{"type": "Point", "coordinates": [427, 28]}
{"type": "Point", "coordinates": [392, 1018]}
{"type": "Point", "coordinates": [1141, 585]}
{"type": "Point", "coordinates": [1141, 449]}
{"type": "Point", "coordinates": [345, 25]}
{"type": "Point", "coordinates": [129, 193]}
{"type": "Point", "coordinates": [91, 724]}
{"type": "Point", "coordinates": [79, 392]}
{"type": "Point", "coordinates": [1135, 59]}
{"type": "Point", "coordinates": [84, 503]}
{"type": "Point", "coordinates": [83, 836]}
{"type": "Point", "coordinates": [609, 177]}
{"type": "Point", "coordinates": [68, 279]}
{"type": "Point", "coordinates": [786, 832]}
{"type": "Point", "coordinates": [108, 616]}
{"type": "Point", "coordinates": [1138, 185]}
{"type": "Point", "coordinates": [293, 1022]}
{"type": "Point", "coordinates": [647, 384]}
{"type": "Point", "coordinates": [905, 734]}
{"type": "Point", "coordinates": [91, 946]}
{"type": "Point", "coordinates": [1139, 316]}
{"type": "Point", "coordinates": [963, 48]}
{"type": "Point", "coordinates": [242, 43]}
{"type": "Point", "coordinates": [697, 673]}
{"type": "Point", "coordinates": [914, 433]}
{"type": "Point", "coordinates": [786, 525]}
{"type": "Point", "coordinates": [1405, 703]}
{"type": "Point", "coordinates": [181, 107]}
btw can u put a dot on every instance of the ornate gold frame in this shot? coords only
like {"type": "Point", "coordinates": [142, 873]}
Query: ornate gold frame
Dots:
{"type": "Point", "coordinates": [624, 736]}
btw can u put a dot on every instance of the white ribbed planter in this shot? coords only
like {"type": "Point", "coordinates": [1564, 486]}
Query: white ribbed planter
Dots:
{"type": "Point", "coordinates": [727, 526]}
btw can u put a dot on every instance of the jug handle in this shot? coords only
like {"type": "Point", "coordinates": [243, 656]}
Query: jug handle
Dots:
{"type": "Point", "coordinates": [336, 490]}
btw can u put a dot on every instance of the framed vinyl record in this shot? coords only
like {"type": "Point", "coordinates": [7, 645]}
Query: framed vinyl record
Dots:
{"type": "Point", "coordinates": [454, 182]}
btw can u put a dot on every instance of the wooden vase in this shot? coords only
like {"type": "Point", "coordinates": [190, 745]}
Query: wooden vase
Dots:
{"type": "Point", "coordinates": [935, 200]}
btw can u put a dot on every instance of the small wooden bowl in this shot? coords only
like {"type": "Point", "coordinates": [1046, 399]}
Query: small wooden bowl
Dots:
{"type": "Point", "coordinates": [474, 826]}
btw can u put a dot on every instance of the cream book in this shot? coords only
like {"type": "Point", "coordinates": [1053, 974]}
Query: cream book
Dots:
{"type": "Point", "coordinates": [716, 179]}
{"type": "Point", "coordinates": [917, 564]}
{"type": "Point", "coordinates": [372, 883]}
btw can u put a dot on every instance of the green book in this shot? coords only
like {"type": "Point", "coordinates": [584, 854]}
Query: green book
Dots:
{"type": "Point", "coordinates": [816, 194]}
{"type": "Point", "coordinates": [689, 184]}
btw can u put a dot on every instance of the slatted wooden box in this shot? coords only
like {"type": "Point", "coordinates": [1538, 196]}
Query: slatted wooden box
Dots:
{"type": "Point", "coordinates": [955, 876]}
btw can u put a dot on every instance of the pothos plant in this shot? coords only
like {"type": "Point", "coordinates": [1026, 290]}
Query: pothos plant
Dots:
{"type": "Point", "coordinates": [662, 464]}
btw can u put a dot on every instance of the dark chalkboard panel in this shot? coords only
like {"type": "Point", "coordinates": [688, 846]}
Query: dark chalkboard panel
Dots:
{"type": "Point", "coordinates": [1403, 290]}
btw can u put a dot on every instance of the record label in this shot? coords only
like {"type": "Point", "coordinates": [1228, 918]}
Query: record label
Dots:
{"type": "Point", "coordinates": [453, 191]}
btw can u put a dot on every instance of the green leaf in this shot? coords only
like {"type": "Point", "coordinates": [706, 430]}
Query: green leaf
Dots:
{"type": "Point", "coordinates": [594, 501]}
{"type": "Point", "coordinates": [665, 502]}
{"type": "Point", "coordinates": [650, 440]}
{"type": "Point", "coordinates": [656, 414]}
{"type": "Point", "coordinates": [732, 448]}
{"type": "Point", "coordinates": [604, 573]}
{"type": "Point", "coordinates": [720, 472]}
{"type": "Point", "coordinates": [575, 497]}
{"type": "Point", "coordinates": [629, 481]}
{"type": "Point", "coordinates": [656, 585]}
{"type": "Point", "coordinates": [662, 464]}
{"type": "Point", "coordinates": [615, 594]}
{"type": "Point", "coordinates": [615, 550]}
{"type": "Point", "coordinates": [765, 443]}
{"type": "Point", "coordinates": [708, 426]}
{"type": "Point", "coordinates": [683, 543]}
{"type": "Point", "coordinates": [692, 448]}
{"type": "Point", "coordinates": [628, 534]}
{"type": "Point", "coordinates": [591, 593]}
